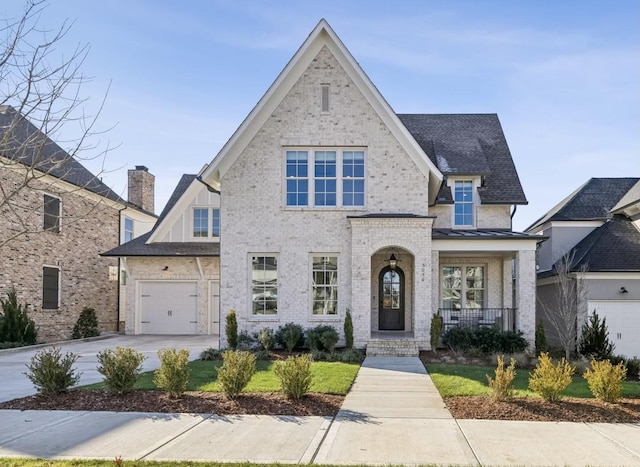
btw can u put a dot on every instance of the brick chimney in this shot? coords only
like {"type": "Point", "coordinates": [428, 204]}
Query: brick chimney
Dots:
{"type": "Point", "coordinates": [141, 188]}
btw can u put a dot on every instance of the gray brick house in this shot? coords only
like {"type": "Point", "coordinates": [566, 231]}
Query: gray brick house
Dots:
{"type": "Point", "coordinates": [324, 200]}
{"type": "Point", "coordinates": [53, 228]}
{"type": "Point", "coordinates": [598, 228]}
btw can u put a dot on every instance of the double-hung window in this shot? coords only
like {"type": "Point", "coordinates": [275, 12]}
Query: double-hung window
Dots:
{"type": "Point", "coordinates": [324, 285]}
{"type": "Point", "coordinates": [325, 178]}
{"type": "Point", "coordinates": [264, 285]}
{"type": "Point", "coordinates": [128, 229]}
{"type": "Point", "coordinates": [52, 208]}
{"type": "Point", "coordinates": [463, 287]}
{"type": "Point", "coordinates": [206, 222]}
{"type": "Point", "coordinates": [463, 203]}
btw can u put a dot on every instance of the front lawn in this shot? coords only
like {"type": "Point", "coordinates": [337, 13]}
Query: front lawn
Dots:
{"type": "Point", "coordinates": [328, 378]}
{"type": "Point", "coordinates": [467, 380]}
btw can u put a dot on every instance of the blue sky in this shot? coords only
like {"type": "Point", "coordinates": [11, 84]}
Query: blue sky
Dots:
{"type": "Point", "coordinates": [563, 76]}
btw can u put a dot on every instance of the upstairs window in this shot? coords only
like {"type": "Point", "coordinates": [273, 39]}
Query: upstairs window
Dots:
{"type": "Point", "coordinates": [206, 222]}
{"type": "Point", "coordinates": [52, 207]}
{"type": "Point", "coordinates": [337, 178]}
{"type": "Point", "coordinates": [463, 203]}
{"type": "Point", "coordinates": [128, 229]}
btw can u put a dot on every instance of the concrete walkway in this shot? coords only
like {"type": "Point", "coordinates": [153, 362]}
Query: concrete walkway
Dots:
{"type": "Point", "coordinates": [392, 415]}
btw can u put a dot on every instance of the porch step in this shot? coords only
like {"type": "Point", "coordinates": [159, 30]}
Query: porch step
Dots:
{"type": "Point", "coordinates": [392, 348]}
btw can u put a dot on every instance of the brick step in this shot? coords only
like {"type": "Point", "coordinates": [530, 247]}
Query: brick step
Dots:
{"type": "Point", "coordinates": [392, 348]}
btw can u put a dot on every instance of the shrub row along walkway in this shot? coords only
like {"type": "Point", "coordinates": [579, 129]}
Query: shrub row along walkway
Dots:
{"type": "Point", "coordinates": [392, 415]}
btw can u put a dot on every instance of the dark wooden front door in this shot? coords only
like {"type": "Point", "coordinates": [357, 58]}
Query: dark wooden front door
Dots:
{"type": "Point", "coordinates": [391, 306]}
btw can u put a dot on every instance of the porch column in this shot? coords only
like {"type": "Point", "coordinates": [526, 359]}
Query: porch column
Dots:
{"type": "Point", "coordinates": [507, 292]}
{"type": "Point", "coordinates": [526, 294]}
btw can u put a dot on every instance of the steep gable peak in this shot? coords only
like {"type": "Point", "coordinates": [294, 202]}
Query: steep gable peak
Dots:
{"type": "Point", "coordinates": [322, 36]}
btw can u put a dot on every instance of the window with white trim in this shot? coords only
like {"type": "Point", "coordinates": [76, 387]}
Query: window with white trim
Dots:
{"type": "Point", "coordinates": [128, 229]}
{"type": "Point", "coordinates": [264, 285]}
{"type": "Point", "coordinates": [337, 178]}
{"type": "Point", "coordinates": [324, 285]}
{"type": "Point", "coordinates": [206, 222]}
{"type": "Point", "coordinates": [463, 203]}
{"type": "Point", "coordinates": [52, 207]}
{"type": "Point", "coordinates": [463, 287]}
{"type": "Point", "coordinates": [50, 288]}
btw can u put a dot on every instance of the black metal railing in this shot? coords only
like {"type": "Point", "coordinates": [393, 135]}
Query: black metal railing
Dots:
{"type": "Point", "coordinates": [502, 318]}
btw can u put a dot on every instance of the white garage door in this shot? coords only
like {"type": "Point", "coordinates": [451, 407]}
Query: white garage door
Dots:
{"type": "Point", "coordinates": [623, 324]}
{"type": "Point", "coordinates": [169, 307]}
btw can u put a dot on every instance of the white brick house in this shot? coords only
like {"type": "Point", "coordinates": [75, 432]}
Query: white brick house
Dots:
{"type": "Point", "coordinates": [328, 200]}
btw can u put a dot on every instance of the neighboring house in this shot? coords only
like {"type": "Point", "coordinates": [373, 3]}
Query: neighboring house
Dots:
{"type": "Point", "coordinates": [598, 227]}
{"type": "Point", "coordinates": [65, 216]}
{"type": "Point", "coordinates": [325, 200]}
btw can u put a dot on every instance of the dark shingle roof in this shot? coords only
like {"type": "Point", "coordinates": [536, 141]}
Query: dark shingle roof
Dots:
{"type": "Point", "coordinates": [614, 246]}
{"type": "Point", "coordinates": [593, 201]}
{"type": "Point", "coordinates": [23, 142]}
{"type": "Point", "coordinates": [632, 196]}
{"type": "Point", "coordinates": [138, 247]}
{"type": "Point", "coordinates": [469, 144]}
{"type": "Point", "coordinates": [184, 183]}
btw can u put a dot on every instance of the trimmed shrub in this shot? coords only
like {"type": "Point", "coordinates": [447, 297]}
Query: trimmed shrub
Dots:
{"type": "Point", "coordinates": [266, 338]}
{"type": "Point", "coordinates": [348, 329]}
{"type": "Point", "coordinates": [549, 380]}
{"type": "Point", "coordinates": [458, 339]}
{"type": "Point", "coordinates": [319, 355]}
{"type": "Point", "coordinates": [485, 340]}
{"type": "Point", "coordinates": [594, 342]}
{"type": "Point", "coordinates": [211, 354]}
{"type": "Point", "coordinates": [512, 342]}
{"type": "Point", "coordinates": [633, 367]}
{"type": "Point", "coordinates": [15, 324]}
{"type": "Point", "coordinates": [605, 380]}
{"type": "Point", "coordinates": [540, 338]}
{"type": "Point", "coordinates": [231, 329]}
{"type": "Point", "coordinates": [87, 324]}
{"type": "Point", "coordinates": [437, 323]}
{"type": "Point", "coordinates": [261, 354]}
{"type": "Point", "coordinates": [173, 374]}
{"type": "Point", "coordinates": [352, 356]}
{"type": "Point", "coordinates": [246, 341]}
{"type": "Point", "coordinates": [290, 336]}
{"type": "Point", "coordinates": [51, 372]}
{"type": "Point", "coordinates": [120, 368]}
{"type": "Point", "coordinates": [501, 388]}
{"type": "Point", "coordinates": [294, 374]}
{"type": "Point", "coordinates": [322, 337]}
{"type": "Point", "coordinates": [238, 366]}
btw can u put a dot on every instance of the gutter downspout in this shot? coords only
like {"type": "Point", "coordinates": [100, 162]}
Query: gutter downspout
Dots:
{"type": "Point", "coordinates": [513, 213]}
{"type": "Point", "coordinates": [119, 268]}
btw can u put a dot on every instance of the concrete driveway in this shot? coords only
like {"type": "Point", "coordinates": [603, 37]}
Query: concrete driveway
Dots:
{"type": "Point", "coordinates": [12, 362]}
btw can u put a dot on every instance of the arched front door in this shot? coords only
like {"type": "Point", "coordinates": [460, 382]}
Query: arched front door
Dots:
{"type": "Point", "coordinates": [391, 305]}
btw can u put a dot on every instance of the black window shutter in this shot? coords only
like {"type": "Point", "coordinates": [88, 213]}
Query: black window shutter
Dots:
{"type": "Point", "coordinates": [50, 292]}
{"type": "Point", "coordinates": [51, 213]}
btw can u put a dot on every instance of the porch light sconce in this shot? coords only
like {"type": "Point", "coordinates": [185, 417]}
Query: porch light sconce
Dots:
{"type": "Point", "coordinates": [393, 262]}
{"type": "Point", "coordinates": [166, 268]}
{"type": "Point", "coordinates": [623, 290]}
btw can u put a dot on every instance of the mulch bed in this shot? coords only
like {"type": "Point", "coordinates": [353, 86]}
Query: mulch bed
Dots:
{"type": "Point", "coordinates": [190, 402]}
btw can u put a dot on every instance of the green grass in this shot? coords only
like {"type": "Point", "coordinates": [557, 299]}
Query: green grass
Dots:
{"type": "Point", "coordinates": [467, 380]}
{"type": "Point", "coordinates": [328, 377]}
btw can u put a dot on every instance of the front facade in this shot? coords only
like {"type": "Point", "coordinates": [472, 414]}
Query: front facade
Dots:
{"type": "Point", "coordinates": [597, 227]}
{"type": "Point", "coordinates": [53, 230]}
{"type": "Point", "coordinates": [327, 200]}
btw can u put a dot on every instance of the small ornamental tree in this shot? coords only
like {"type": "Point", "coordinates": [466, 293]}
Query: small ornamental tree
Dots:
{"type": "Point", "coordinates": [15, 324]}
{"type": "Point", "coordinates": [348, 330]}
{"type": "Point", "coordinates": [231, 329]}
{"type": "Point", "coordinates": [436, 329]}
{"type": "Point", "coordinates": [540, 338]}
{"type": "Point", "coordinates": [595, 342]}
{"type": "Point", "coordinates": [87, 324]}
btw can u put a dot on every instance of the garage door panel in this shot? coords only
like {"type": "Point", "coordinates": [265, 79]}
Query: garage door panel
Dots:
{"type": "Point", "coordinates": [169, 307]}
{"type": "Point", "coordinates": [623, 324]}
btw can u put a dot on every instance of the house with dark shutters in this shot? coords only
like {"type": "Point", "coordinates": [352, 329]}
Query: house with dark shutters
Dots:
{"type": "Point", "coordinates": [55, 219]}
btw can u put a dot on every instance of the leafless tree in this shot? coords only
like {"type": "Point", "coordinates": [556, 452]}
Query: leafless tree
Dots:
{"type": "Point", "coordinates": [40, 93]}
{"type": "Point", "coordinates": [561, 307]}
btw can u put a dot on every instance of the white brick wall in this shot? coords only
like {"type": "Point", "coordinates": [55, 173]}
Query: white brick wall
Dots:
{"type": "Point", "coordinates": [487, 216]}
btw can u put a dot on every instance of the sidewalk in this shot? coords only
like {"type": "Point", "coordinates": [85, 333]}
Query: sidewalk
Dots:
{"type": "Point", "coordinates": [392, 415]}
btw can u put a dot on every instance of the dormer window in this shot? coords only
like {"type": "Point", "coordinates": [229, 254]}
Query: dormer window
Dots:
{"type": "Point", "coordinates": [463, 203]}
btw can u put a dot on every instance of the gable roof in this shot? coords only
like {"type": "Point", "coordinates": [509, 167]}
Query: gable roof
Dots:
{"type": "Point", "coordinates": [23, 142]}
{"type": "Point", "coordinates": [469, 144]}
{"type": "Point", "coordinates": [612, 247]}
{"type": "Point", "coordinates": [632, 197]}
{"type": "Point", "coordinates": [142, 246]}
{"type": "Point", "coordinates": [321, 36]}
{"type": "Point", "coordinates": [592, 201]}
